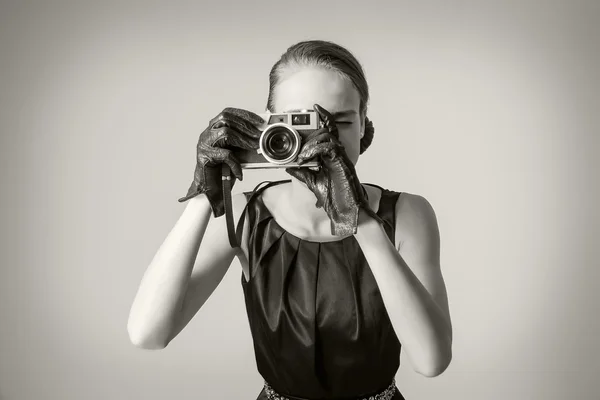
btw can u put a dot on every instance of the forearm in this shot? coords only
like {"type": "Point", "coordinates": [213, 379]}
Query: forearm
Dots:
{"type": "Point", "coordinates": [165, 281]}
{"type": "Point", "coordinates": [418, 321]}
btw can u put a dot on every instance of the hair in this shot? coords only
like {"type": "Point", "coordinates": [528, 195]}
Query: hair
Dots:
{"type": "Point", "coordinates": [320, 53]}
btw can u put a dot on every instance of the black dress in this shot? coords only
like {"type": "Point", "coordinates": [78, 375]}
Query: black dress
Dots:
{"type": "Point", "coordinates": [319, 326]}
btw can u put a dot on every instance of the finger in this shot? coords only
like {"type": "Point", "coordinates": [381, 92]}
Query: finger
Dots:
{"type": "Point", "coordinates": [313, 150]}
{"type": "Point", "coordinates": [325, 115]}
{"type": "Point", "coordinates": [318, 136]}
{"type": "Point", "coordinates": [245, 115]}
{"type": "Point", "coordinates": [243, 124]}
{"type": "Point", "coordinates": [324, 145]}
{"type": "Point", "coordinates": [238, 123]}
{"type": "Point", "coordinates": [328, 120]}
{"type": "Point", "coordinates": [325, 136]}
{"type": "Point", "coordinates": [302, 174]}
{"type": "Point", "coordinates": [229, 137]}
{"type": "Point", "coordinates": [315, 133]}
{"type": "Point", "coordinates": [227, 157]}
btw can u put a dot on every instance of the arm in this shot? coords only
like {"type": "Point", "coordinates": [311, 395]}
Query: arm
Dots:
{"type": "Point", "coordinates": [184, 272]}
{"type": "Point", "coordinates": [411, 283]}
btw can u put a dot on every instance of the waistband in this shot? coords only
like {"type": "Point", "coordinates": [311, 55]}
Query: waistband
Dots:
{"type": "Point", "coordinates": [386, 394]}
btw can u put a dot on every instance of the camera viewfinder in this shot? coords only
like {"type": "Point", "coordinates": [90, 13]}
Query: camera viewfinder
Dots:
{"type": "Point", "coordinates": [300, 119]}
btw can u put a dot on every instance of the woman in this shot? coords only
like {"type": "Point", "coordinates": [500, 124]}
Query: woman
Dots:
{"type": "Point", "coordinates": [337, 275]}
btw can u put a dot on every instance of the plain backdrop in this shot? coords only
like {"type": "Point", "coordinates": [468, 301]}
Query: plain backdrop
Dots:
{"type": "Point", "coordinates": [487, 109]}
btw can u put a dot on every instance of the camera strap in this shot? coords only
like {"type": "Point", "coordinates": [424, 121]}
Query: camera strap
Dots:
{"type": "Point", "coordinates": [227, 177]}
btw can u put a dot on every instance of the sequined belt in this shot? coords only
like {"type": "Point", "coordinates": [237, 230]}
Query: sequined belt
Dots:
{"type": "Point", "coordinates": [387, 394]}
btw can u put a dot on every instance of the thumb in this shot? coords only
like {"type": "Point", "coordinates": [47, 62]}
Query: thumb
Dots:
{"type": "Point", "coordinates": [302, 174]}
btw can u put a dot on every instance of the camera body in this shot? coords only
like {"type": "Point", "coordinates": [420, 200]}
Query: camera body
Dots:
{"type": "Point", "coordinates": [282, 138]}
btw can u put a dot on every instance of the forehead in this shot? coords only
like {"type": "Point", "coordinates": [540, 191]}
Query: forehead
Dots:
{"type": "Point", "coordinates": [302, 88]}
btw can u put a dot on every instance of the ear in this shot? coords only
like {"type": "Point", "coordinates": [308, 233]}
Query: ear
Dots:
{"type": "Point", "coordinates": [363, 123]}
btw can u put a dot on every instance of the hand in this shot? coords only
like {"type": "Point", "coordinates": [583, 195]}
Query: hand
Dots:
{"type": "Point", "coordinates": [336, 184]}
{"type": "Point", "coordinates": [233, 127]}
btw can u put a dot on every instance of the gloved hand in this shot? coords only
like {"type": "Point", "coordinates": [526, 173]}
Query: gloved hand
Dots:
{"type": "Point", "coordinates": [336, 184]}
{"type": "Point", "coordinates": [233, 127]}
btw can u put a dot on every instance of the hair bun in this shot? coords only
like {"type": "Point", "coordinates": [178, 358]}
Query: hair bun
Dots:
{"type": "Point", "coordinates": [367, 139]}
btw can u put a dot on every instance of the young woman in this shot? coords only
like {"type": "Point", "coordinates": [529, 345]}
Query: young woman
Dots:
{"type": "Point", "coordinates": [337, 275]}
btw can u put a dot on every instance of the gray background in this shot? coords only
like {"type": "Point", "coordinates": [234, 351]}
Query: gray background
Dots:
{"type": "Point", "coordinates": [487, 109]}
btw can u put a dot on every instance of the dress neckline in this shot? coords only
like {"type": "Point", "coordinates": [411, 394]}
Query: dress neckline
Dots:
{"type": "Point", "coordinates": [341, 240]}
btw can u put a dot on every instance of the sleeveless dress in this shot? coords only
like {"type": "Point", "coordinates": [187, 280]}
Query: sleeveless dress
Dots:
{"type": "Point", "coordinates": [318, 323]}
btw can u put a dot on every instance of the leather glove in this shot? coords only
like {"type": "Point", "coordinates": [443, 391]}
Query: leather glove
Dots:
{"type": "Point", "coordinates": [232, 128]}
{"type": "Point", "coordinates": [336, 184]}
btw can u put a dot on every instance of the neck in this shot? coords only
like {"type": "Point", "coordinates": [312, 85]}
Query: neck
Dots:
{"type": "Point", "coordinates": [303, 200]}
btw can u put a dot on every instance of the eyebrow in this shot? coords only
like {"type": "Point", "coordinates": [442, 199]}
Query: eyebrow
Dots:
{"type": "Point", "coordinates": [338, 114]}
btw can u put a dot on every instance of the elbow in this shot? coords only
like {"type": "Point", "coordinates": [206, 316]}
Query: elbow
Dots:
{"type": "Point", "coordinates": [434, 369]}
{"type": "Point", "coordinates": [147, 344]}
{"type": "Point", "coordinates": [145, 341]}
{"type": "Point", "coordinates": [437, 365]}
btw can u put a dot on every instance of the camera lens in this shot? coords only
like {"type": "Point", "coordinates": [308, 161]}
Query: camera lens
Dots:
{"type": "Point", "coordinates": [280, 144]}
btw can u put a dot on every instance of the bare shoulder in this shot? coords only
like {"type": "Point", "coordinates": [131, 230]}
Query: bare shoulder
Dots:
{"type": "Point", "coordinates": [273, 197]}
{"type": "Point", "coordinates": [416, 221]}
{"type": "Point", "coordinates": [238, 202]}
{"type": "Point", "coordinates": [374, 196]}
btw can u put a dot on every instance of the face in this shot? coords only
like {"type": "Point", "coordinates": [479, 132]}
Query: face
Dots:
{"type": "Point", "coordinates": [300, 89]}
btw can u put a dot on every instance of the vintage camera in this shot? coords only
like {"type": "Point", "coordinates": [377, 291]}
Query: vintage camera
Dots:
{"type": "Point", "coordinates": [282, 138]}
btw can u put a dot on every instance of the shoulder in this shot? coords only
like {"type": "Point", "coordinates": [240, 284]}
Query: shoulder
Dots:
{"type": "Point", "coordinates": [242, 199]}
{"type": "Point", "coordinates": [416, 221]}
{"type": "Point", "coordinates": [414, 205]}
{"type": "Point", "coordinates": [238, 202]}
